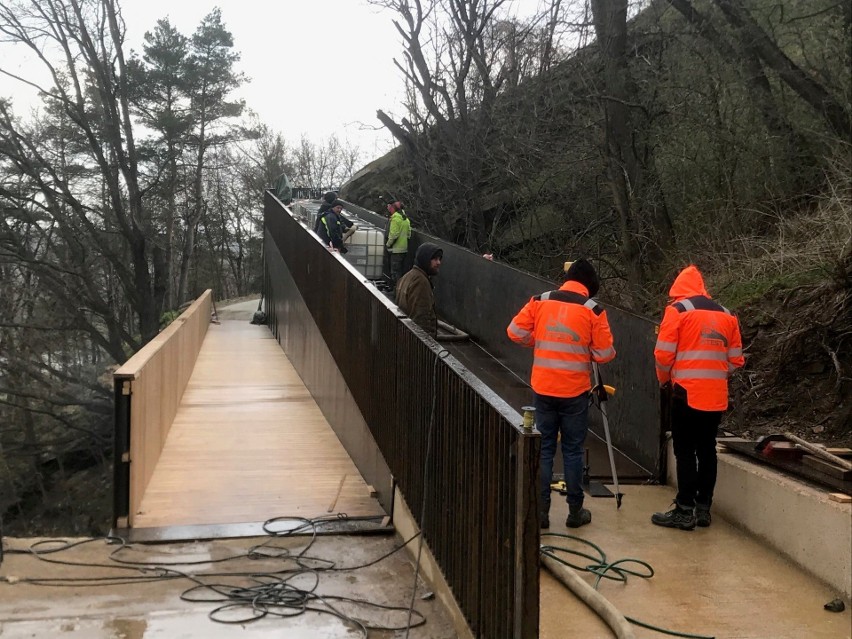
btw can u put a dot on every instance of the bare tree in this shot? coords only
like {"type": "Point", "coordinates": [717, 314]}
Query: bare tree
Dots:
{"type": "Point", "coordinates": [80, 44]}
{"type": "Point", "coordinates": [835, 114]}
{"type": "Point", "coordinates": [458, 56]}
{"type": "Point", "coordinates": [324, 164]}
{"type": "Point", "coordinates": [644, 223]}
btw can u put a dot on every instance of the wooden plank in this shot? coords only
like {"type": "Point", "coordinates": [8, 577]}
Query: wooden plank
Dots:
{"type": "Point", "coordinates": [840, 452]}
{"type": "Point", "coordinates": [819, 452]}
{"type": "Point", "coordinates": [826, 467]}
{"type": "Point", "coordinates": [840, 497]}
{"type": "Point", "coordinates": [199, 307]}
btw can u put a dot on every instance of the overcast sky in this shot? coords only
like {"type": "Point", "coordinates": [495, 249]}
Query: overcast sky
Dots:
{"type": "Point", "coordinates": [318, 67]}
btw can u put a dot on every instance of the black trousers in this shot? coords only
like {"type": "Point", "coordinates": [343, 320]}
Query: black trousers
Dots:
{"type": "Point", "coordinates": [694, 439]}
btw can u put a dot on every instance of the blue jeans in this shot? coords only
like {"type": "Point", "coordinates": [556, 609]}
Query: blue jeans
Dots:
{"type": "Point", "coordinates": [567, 417]}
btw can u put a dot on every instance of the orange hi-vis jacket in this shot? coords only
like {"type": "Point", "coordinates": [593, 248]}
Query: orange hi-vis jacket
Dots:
{"type": "Point", "coordinates": [568, 330]}
{"type": "Point", "coordinates": [699, 343]}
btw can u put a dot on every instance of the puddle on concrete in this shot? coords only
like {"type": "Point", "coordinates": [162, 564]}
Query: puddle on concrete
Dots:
{"type": "Point", "coordinates": [125, 628]}
{"type": "Point", "coordinates": [76, 629]}
{"type": "Point", "coordinates": [172, 555]}
{"type": "Point", "coordinates": [173, 625]}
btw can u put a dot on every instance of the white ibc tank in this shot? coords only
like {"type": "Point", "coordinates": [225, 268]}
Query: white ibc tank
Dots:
{"type": "Point", "coordinates": [366, 250]}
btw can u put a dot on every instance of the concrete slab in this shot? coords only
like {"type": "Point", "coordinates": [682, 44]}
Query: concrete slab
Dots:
{"type": "Point", "coordinates": [798, 520]}
{"type": "Point", "coordinates": [712, 581]}
{"type": "Point", "coordinates": [148, 610]}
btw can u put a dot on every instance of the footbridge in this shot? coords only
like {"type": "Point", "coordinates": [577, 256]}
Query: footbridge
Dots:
{"type": "Point", "coordinates": [339, 409]}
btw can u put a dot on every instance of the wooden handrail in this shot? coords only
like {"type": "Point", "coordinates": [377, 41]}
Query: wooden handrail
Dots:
{"type": "Point", "coordinates": [155, 379]}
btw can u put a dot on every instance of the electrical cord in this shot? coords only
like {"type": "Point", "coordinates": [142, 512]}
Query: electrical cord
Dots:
{"type": "Point", "coordinates": [265, 594]}
{"type": "Point", "coordinates": [440, 355]}
{"type": "Point", "coordinates": [268, 594]}
{"type": "Point", "coordinates": [604, 569]}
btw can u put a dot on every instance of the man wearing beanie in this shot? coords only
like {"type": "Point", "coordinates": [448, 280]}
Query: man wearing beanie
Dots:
{"type": "Point", "coordinates": [414, 290]}
{"type": "Point", "coordinates": [568, 330]}
{"type": "Point", "coordinates": [330, 222]}
{"type": "Point", "coordinates": [326, 202]}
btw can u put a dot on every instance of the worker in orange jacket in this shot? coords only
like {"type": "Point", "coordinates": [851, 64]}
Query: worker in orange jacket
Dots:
{"type": "Point", "coordinates": [698, 347]}
{"type": "Point", "coordinates": [568, 330]}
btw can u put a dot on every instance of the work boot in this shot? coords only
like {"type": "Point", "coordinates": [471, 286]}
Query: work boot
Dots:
{"type": "Point", "coordinates": [677, 517]}
{"type": "Point", "coordinates": [579, 517]}
{"type": "Point", "coordinates": [702, 515]}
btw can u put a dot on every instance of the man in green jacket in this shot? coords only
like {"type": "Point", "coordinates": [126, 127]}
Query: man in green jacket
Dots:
{"type": "Point", "coordinates": [399, 230]}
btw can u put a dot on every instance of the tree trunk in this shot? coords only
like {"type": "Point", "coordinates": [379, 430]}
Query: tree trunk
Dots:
{"type": "Point", "coordinates": [816, 95]}
{"type": "Point", "coordinates": [610, 18]}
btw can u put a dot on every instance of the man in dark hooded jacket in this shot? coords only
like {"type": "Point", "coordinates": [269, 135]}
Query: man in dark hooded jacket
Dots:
{"type": "Point", "coordinates": [327, 202]}
{"type": "Point", "coordinates": [414, 290]}
{"type": "Point", "coordinates": [332, 228]}
{"type": "Point", "coordinates": [698, 347]}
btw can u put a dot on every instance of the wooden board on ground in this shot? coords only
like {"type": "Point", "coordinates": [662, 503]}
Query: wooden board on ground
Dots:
{"type": "Point", "coordinates": [840, 452]}
{"type": "Point", "coordinates": [826, 467]}
{"type": "Point", "coordinates": [840, 497]}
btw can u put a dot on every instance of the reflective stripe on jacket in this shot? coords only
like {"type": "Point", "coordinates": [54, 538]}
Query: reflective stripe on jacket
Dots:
{"type": "Point", "coordinates": [699, 344]}
{"type": "Point", "coordinates": [328, 227]}
{"type": "Point", "coordinates": [568, 331]}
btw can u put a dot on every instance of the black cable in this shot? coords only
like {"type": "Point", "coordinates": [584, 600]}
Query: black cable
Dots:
{"type": "Point", "coordinates": [268, 593]}
{"type": "Point", "coordinates": [442, 354]}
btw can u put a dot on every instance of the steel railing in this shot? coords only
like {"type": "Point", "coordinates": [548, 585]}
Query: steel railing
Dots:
{"type": "Point", "coordinates": [475, 497]}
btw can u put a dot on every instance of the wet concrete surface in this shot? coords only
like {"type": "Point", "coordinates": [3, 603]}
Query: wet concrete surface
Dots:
{"type": "Point", "coordinates": [716, 581]}
{"type": "Point", "coordinates": [155, 610]}
{"type": "Point", "coordinates": [713, 582]}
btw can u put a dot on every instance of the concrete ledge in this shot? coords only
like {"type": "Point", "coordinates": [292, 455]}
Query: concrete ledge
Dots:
{"type": "Point", "coordinates": [794, 518]}
{"type": "Point", "coordinates": [429, 570]}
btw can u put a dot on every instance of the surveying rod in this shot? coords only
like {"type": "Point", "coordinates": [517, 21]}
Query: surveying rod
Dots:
{"type": "Point", "coordinates": [603, 392]}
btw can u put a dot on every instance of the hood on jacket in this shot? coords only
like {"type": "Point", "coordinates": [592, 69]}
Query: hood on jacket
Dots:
{"type": "Point", "coordinates": [688, 283]}
{"type": "Point", "coordinates": [425, 253]}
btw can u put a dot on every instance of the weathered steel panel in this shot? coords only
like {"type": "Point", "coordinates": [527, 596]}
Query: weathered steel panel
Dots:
{"type": "Point", "coordinates": [481, 297]}
{"type": "Point", "coordinates": [451, 444]}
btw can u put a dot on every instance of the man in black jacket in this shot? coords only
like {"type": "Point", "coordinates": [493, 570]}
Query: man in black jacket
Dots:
{"type": "Point", "coordinates": [332, 228]}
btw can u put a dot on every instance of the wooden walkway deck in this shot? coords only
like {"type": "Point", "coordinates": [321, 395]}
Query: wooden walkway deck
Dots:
{"type": "Point", "coordinates": [249, 443]}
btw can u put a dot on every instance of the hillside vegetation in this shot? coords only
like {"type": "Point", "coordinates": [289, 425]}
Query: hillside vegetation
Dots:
{"type": "Point", "coordinates": [707, 132]}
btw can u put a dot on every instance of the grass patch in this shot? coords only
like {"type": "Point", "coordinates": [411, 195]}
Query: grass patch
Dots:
{"type": "Point", "coordinates": [738, 293]}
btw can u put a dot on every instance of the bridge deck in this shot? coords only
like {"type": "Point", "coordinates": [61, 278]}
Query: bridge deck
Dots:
{"type": "Point", "coordinates": [249, 443]}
